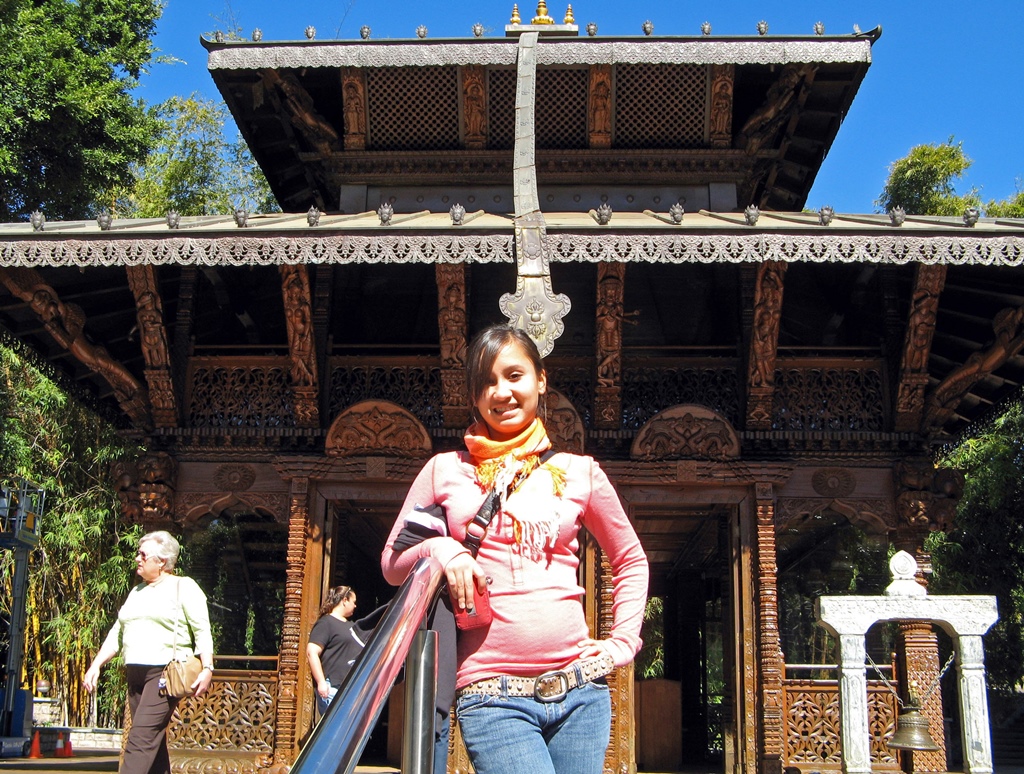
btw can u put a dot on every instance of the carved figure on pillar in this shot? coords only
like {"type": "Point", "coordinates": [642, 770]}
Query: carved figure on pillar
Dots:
{"type": "Point", "coordinates": [600, 106]}
{"type": "Point", "coordinates": [764, 342]}
{"type": "Point", "coordinates": [158, 475]}
{"type": "Point", "coordinates": [301, 350]}
{"type": "Point", "coordinates": [770, 656]}
{"type": "Point", "coordinates": [928, 284]}
{"type": "Point", "coordinates": [1008, 325]}
{"type": "Point", "coordinates": [610, 316]}
{"type": "Point", "coordinates": [721, 105]}
{"type": "Point", "coordinates": [926, 496]}
{"type": "Point", "coordinates": [474, 102]}
{"type": "Point", "coordinates": [453, 328]}
{"type": "Point", "coordinates": [353, 93]}
{"type": "Point", "coordinates": [155, 349]}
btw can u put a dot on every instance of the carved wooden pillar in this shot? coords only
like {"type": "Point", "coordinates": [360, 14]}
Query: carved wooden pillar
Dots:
{"type": "Point", "coordinates": [610, 316]}
{"type": "Point", "coordinates": [913, 373]}
{"type": "Point", "coordinates": [286, 727]}
{"type": "Point", "coordinates": [298, 313]}
{"type": "Point", "coordinates": [599, 115]}
{"type": "Point", "coordinates": [353, 98]}
{"type": "Point", "coordinates": [769, 644]}
{"type": "Point", "coordinates": [621, 755]}
{"type": "Point", "coordinates": [451, 322]}
{"type": "Point", "coordinates": [764, 342]}
{"type": "Point", "coordinates": [155, 350]}
{"type": "Point", "coordinates": [722, 77]}
{"type": "Point", "coordinates": [474, 106]}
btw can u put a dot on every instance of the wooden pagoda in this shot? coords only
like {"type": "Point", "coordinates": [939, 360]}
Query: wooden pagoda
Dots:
{"type": "Point", "coordinates": [764, 386]}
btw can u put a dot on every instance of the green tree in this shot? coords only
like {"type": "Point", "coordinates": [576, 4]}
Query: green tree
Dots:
{"type": "Point", "coordinates": [984, 552]}
{"type": "Point", "coordinates": [922, 182]}
{"type": "Point", "coordinates": [69, 126]}
{"type": "Point", "coordinates": [1012, 207]}
{"type": "Point", "coordinates": [192, 168]}
{"type": "Point", "coordinates": [82, 569]}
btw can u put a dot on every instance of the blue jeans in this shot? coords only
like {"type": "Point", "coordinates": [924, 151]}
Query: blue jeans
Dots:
{"type": "Point", "coordinates": [512, 734]}
{"type": "Point", "coordinates": [321, 703]}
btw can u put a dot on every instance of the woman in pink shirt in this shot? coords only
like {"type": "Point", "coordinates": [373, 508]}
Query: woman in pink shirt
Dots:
{"type": "Point", "coordinates": [531, 694]}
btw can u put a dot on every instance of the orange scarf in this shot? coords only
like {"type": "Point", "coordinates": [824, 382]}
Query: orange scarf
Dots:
{"type": "Point", "coordinates": [504, 465]}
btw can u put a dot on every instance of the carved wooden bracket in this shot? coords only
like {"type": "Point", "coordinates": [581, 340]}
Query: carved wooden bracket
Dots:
{"type": "Point", "coordinates": [685, 431]}
{"type": "Point", "coordinates": [929, 280]}
{"type": "Point", "coordinates": [941, 403]}
{"type": "Point", "coordinates": [146, 488]}
{"type": "Point", "coordinates": [66, 324]}
{"type": "Point", "coordinates": [764, 342]}
{"type": "Point", "coordinates": [377, 428]}
{"type": "Point", "coordinates": [155, 349]}
{"type": "Point", "coordinates": [298, 107]}
{"type": "Point", "coordinates": [353, 97]}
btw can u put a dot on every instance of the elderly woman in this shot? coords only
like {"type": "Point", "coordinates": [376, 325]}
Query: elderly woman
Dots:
{"type": "Point", "coordinates": [164, 617]}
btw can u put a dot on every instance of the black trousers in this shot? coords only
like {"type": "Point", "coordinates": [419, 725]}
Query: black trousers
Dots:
{"type": "Point", "coordinates": [145, 750]}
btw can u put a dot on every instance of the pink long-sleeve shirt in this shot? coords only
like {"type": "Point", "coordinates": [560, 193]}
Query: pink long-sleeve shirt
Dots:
{"type": "Point", "coordinates": [538, 615]}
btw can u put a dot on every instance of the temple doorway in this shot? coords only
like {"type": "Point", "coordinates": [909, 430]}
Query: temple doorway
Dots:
{"type": "Point", "coordinates": [684, 706]}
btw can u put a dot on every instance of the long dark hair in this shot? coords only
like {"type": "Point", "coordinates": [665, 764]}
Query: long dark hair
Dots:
{"type": "Point", "coordinates": [335, 597]}
{"type": "Point", "coordinates": [484, 350]}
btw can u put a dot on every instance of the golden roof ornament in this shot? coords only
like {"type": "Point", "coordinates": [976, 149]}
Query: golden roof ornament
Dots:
{"type": "Point", "coordinates": [515, 15]}
{"type": "Point", "coordinates": [542, 14]}
{"type": "Point", "coordinates": [569, 18]}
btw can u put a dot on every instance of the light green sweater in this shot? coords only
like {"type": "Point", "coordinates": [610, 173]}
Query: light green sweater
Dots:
{"type": "Point", "coordinates": [144, 630]}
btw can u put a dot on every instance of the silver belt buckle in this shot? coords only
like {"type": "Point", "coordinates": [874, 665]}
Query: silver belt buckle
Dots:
{"type": "Point", "coordinates": [551, 686]}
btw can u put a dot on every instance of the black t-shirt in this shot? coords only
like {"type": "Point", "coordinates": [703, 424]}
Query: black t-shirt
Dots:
{"type": "Point", "coordinates": [340, 647]}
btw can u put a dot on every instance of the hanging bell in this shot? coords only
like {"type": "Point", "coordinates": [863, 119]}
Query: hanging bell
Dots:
{"type": "Point", "coordinates": [912, 731]}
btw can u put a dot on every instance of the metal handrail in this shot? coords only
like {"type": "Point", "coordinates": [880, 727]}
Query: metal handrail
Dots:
{"type": "Point", "coordinates": [338, 740]}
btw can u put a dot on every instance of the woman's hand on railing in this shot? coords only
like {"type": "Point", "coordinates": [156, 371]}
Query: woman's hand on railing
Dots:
{"type": "Point", "coordinates": [462, 573]}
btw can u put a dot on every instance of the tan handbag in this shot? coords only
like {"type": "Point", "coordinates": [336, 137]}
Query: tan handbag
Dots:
{"type": "Point", "coordinates": [178, 676]}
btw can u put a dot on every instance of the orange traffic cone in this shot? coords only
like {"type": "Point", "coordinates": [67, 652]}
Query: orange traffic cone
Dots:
{"type": "Point", "coordinates": [59, 753]}
{"type": "Point", "coordinates": [68, 752]}
{"type": "Point", "coordinates": [35, 752]}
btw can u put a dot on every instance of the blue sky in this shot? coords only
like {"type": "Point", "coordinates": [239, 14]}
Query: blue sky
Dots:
{"type": "Point", "coordinates": [941, 68]}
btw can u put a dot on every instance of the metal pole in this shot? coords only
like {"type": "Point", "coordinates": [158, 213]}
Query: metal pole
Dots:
{"type": "Point", "coordinates": [420, 697]}
{"type": "Point", "coordinates": [339, 738]}
{"type": "Point", "coordinates": [15, 726]}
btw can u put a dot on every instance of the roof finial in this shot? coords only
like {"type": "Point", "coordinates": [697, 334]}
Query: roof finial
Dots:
{"type": "Point", "coordinates": [569, 18]}
{"type": "Point", "coordinates": [542, 14]}
{"type": "Point", "coordinates": [515, 15]}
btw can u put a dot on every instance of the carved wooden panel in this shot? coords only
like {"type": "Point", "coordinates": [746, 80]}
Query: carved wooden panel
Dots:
{"type": "Point", "coordinates": [770, 655]}
{"type": "Point", "coordinates": [600, 106]}
{"type": "Point", "coordinates": [229, 729]}
{"type": "Point", "coordinates": [648, 390]}
{"type": "Point", "coordinates": [722, 77]}
{"type": "Point", "coordinates": [453, 327]}
{"type": "Point", "coordinates": [828, 398]}
{"type": "Point", "coordinates": [240, 392]}
{"type": "Point", "coordinates": [563, 423]}
{"type": "Point", "coordinates": [474, 106]}
{"type": "Point", "coordinates": [377, 428]}
{"type": "Point", "coordinates": [686, 431]}
{"type": "Point", "coordinates": [811, 712]}
{"type": "Point", "coordinates": [415, 387]}
{"type": "Point", "coordinates": [353, 97]}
